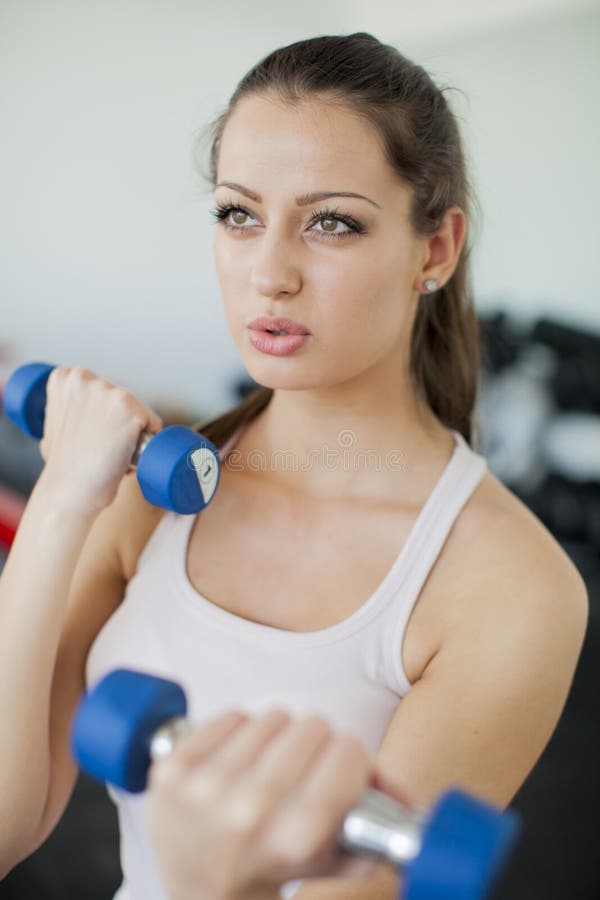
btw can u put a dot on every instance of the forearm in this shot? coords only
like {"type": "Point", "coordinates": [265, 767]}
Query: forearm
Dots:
{"type": "Point", "coordinates": [33, 596]}
{"type": "Point", "coordinates": [267, 893]}
{"type": "Point", "coordinates": [383, 884]}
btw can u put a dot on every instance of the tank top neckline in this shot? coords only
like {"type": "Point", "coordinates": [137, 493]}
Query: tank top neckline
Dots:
{"type": "Point", "coordinates": [390, 583]}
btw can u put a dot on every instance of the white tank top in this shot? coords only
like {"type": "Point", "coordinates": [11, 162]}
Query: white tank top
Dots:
{"type": "Point", "coordinates": [350, 673]}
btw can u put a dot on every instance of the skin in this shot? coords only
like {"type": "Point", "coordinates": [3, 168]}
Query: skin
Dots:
{"type": "Point", "coordinates": [243, 804]}
{"type": "Point", "coordinates": [356, 294]}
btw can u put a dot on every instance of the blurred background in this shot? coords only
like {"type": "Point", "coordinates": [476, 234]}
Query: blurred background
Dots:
{"type": "Point", "coordinates": [106, 261]}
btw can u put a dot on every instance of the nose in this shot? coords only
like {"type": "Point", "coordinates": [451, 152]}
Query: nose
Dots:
{"type": "Point", "coordinates": [274, 270]}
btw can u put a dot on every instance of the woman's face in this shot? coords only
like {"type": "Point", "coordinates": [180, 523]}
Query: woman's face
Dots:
{"type": "Point", "coordinates": [353, 286]}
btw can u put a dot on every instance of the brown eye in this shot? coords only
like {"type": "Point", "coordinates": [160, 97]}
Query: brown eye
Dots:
{"type": "Point", "coordinates": [328, 219]}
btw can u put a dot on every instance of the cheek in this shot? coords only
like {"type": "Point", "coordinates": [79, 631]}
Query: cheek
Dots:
{"type": "Point", "coordinates": [352, 302]}
{"type": "Point", "coordinates": [232, 262]}
{"type": "Point", "coordinates": [225, 262]}
{"type": "Point", "coordinates": [341, 286]}
{"type": "Point", "coordinates": [382, 297]}
{"type": "Point", "coordinates": [373, 323]}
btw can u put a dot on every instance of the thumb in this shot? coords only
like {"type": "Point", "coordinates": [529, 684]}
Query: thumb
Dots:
{"type": "Point", "coordinates": [384, 783]}
{"type": "Point", "coordinates": [155, 423]}
{"type": "Point", "coordinates": [358, 867]}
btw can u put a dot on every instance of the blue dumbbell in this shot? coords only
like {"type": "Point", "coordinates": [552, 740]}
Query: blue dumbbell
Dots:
{"type": "Point", "coordinates": [454, 851]}
{"type": "Point", "coordinates": [177, 469]}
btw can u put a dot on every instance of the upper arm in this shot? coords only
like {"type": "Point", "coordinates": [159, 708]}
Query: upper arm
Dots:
{"type": "Point", "coordinates": [488, 702]}
{"type": "Point", "coordinates": [98, 585]}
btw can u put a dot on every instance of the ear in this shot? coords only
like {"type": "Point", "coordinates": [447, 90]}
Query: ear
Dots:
{"type": "Point", "coordinates": [442, 250]}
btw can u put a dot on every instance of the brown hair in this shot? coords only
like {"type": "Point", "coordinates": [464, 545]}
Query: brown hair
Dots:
{"type": "Point", "coordinates": [421, 140]}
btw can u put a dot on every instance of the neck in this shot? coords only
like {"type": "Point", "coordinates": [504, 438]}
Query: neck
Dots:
{"type": "Point", "coordinates": [340, 442]}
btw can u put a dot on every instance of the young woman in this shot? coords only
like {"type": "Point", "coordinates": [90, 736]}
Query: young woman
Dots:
{"type": "Point", "coordinates": [359, 562]}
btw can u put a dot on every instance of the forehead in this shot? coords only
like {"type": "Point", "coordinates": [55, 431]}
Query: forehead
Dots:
{"type": "Point", "coordinates": [314, 144]}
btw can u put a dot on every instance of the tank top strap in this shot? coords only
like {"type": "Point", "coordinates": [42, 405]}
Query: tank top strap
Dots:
{"type": "Point", "coordinates": [426, 541]}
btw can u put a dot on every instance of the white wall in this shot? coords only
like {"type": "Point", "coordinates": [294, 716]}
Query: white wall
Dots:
{"type": "Point", "coordinates": [532, 126]}
{"type": "Point", "coordinates": [105, 237]}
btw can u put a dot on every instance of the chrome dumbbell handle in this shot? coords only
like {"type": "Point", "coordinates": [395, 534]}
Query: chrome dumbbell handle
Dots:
{"type": "Point", "coordinates": [383, 828]}
{"type": "Point", "coordinates": [164, 738]}
{"type": "Point", "coordinates": [143, 441]}
{"type": "Point", "coordinates": [378, 826]}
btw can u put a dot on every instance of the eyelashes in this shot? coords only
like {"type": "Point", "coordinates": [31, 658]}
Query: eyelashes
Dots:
{"type": "Point", "coordinates": [222, 211]}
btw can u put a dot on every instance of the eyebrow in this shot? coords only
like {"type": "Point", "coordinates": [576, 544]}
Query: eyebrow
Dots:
{"type": "Point", "coordinates": [302, 200]}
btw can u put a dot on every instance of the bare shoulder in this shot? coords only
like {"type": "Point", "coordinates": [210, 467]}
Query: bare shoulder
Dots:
{"type": "Point", "coordinates": [506, 551]}
{"type": "Point", "coordinates": [137, 521]}
{"type": "Point", "coordinates": [505, 525]}
{"type": "Point", "coordinates": [514, 617]}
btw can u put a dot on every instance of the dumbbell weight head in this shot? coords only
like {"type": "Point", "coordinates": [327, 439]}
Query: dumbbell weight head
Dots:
{"type": "Point", "coordinates": [24, 398]}
{"type": "Point", "coordinates": [114, 726]}
{"type": "Point", "coordinates": [454, 851]}
{"type": "Point", "coordinates": [177, 469]}
{"type": "Point", "coordinates": [465, 846]}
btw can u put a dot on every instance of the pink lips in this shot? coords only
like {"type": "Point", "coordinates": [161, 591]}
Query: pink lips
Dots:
{"type": "Point", "coordinates": [268, 323]}
{"type": "Point", "coordinates": [277, 345]}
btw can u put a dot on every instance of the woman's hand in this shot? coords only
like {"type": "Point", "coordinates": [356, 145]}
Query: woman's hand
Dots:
{"type": "Point", "coordinates": [91, 429]}
{"type": "Point", "coordinates": [242, 805]}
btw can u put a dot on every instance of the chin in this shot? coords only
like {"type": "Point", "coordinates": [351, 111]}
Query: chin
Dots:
{"type": "Point", "coordinates": [282, 383]}
{"type": "Point", "coordinates": [267, 375]}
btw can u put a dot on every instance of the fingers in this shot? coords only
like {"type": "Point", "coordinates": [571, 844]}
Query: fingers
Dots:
{"type": "Point", "coordinates": [383, 783]}
{"type": "Point", "coordinates": [302, 833]}
{"type": "Point", "coordinates": [279, 785]}
{"type": "Point", "coordinates": [154, 423]}
{"type": "Point", "coordinates": [279, 769]}
{"type": "Point", "coordinates": [194, 748]}
{"type": "Point", "coordinates": [210, 782]}
{"type": "Point", "coordinates": [339, 777]}
{"type": "Point", "coordinates": [245, 747]}
{"type": "Point", "coordinates": [289, 755]}
{"type": "Point", "coordinates": [214, 755]}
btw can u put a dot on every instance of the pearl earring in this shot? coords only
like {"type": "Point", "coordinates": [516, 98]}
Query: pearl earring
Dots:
{"type": "Point", "coordinates": [431, 285]}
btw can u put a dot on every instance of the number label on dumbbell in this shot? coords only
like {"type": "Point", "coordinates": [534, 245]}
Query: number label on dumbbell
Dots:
{"type": "Point", "coordinates": [202, 461]}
